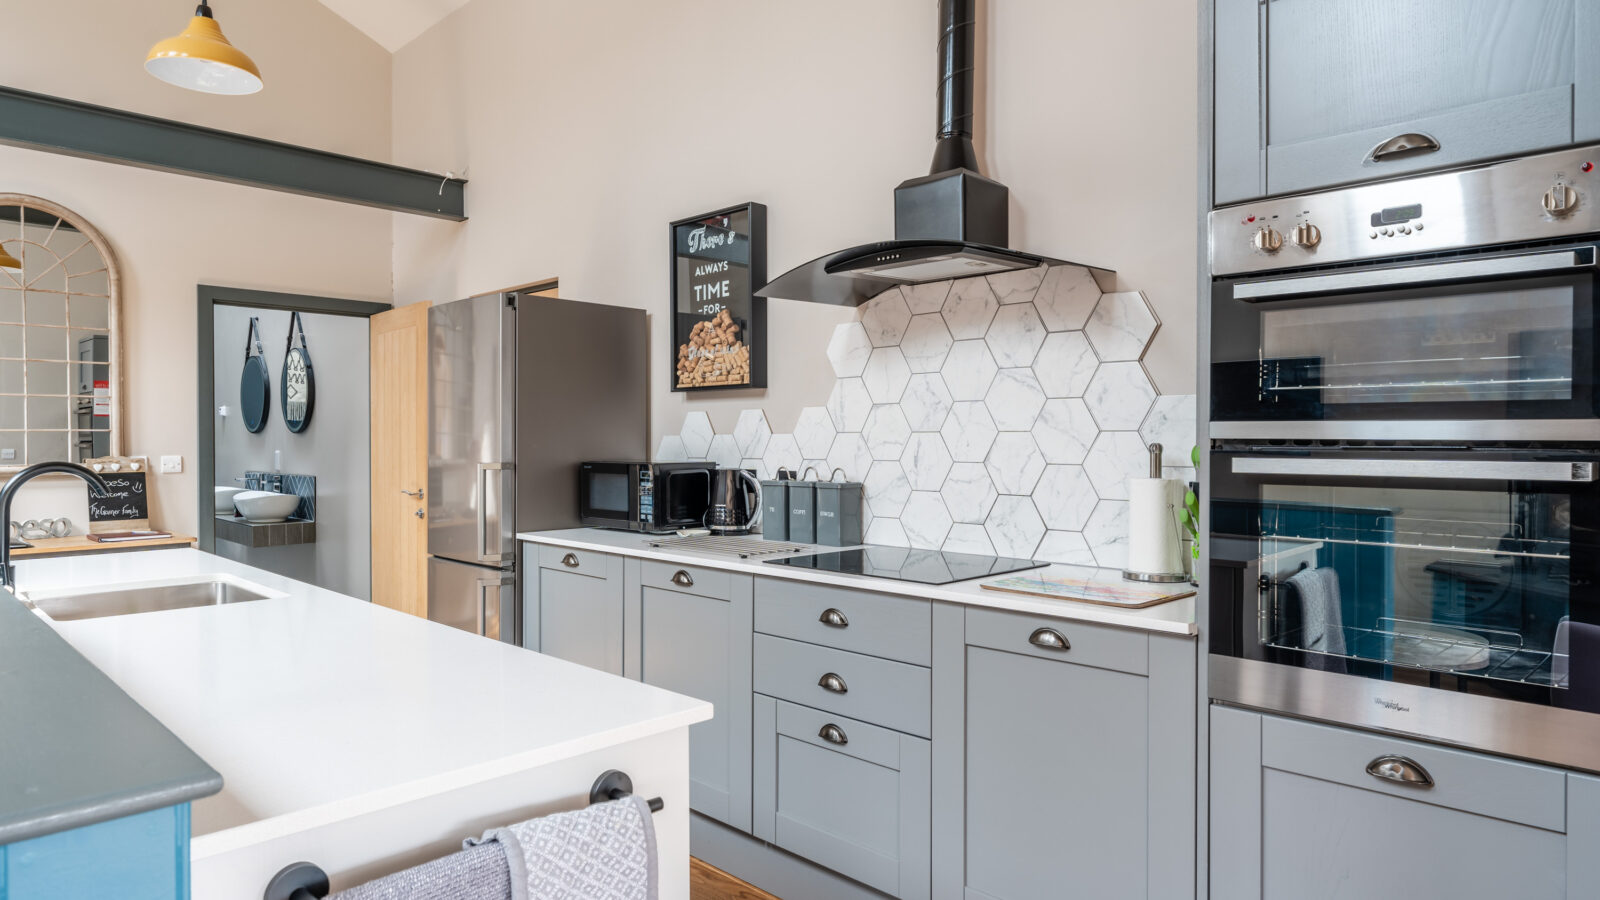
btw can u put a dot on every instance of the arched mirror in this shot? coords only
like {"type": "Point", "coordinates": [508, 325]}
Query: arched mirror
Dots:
{"type": "Point", "coordinates": [60, 354]}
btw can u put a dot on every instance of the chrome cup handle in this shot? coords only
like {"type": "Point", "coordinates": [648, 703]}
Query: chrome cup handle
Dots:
{"type": "Point", "coordinates": [1400, 769]}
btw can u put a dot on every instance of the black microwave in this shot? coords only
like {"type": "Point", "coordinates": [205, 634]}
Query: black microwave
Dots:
{"type": "Point", "coordinates": [644, 496]}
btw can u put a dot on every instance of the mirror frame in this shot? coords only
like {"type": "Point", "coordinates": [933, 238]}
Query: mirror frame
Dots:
{"type": "Point", "coordinates": [114, 305]}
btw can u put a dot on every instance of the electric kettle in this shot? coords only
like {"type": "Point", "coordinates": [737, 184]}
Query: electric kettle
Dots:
{"type": "Point", "coordinates": [735, 502]}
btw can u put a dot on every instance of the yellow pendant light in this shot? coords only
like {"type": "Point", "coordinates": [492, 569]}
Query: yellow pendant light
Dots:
{"type": "Point", "coordinates": [201, 59]}
{"type": "Point", "coordinates": [8, 262]}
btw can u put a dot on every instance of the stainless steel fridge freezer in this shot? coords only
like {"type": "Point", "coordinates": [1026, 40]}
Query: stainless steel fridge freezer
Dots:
{"type": "Point", "coordinates": [521, 389]}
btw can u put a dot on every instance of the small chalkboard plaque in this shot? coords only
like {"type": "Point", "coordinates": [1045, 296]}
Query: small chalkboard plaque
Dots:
{"type": "Point", "coordinates": [127, 503]}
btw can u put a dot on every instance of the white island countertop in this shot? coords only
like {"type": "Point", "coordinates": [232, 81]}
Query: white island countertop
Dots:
{"type": "Point", "coordinates": [1173, 617]}
{"type": "Point", "coordinates": [316, 707]}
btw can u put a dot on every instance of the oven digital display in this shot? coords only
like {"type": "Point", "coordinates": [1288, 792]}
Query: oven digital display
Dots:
{"type": "Point", "coordinates": [1394, 215]}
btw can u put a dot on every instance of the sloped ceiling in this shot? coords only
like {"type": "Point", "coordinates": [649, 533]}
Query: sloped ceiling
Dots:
{"type": "Point", "coordinates": [393, 23]}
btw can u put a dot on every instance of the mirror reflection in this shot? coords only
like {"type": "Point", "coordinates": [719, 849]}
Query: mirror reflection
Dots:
{"type": "Point", "coordinates": [57, 315]}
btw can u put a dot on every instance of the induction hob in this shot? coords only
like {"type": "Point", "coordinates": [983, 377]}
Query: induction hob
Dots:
{"type": "Point", "coordinates": [901, 564]}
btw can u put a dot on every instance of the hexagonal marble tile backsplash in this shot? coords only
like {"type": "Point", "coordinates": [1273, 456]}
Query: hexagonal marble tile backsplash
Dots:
{"type": "Point", "coordinates": [1002, 414]}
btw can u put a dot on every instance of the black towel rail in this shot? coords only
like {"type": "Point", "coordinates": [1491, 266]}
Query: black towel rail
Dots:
{"type": "Point", "coordinates": [307, 881]}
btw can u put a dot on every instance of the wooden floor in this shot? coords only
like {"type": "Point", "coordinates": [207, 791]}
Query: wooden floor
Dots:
{"type": "Point", "coordinates": [707, 882]}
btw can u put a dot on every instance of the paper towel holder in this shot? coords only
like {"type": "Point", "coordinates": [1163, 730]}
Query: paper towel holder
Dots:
{"type": "Point", "coordinates": [1157, 577]}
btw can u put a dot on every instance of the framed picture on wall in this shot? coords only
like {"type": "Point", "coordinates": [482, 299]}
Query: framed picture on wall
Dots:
{"type": "Point", "coordinates": [719, 326]}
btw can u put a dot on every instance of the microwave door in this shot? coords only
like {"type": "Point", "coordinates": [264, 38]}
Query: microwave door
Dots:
{"type": "Point", "coordinates": [470, 477]}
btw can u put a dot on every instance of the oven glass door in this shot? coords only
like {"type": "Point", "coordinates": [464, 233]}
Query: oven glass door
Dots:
{"type": "Point", "coordinates": [1467, 338]}
{"type": "Point", "coordinates": [1472, 571]}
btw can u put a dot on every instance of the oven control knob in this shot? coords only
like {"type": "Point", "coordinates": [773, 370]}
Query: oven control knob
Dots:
{"type": "Point", "coordinates": [1268, 239]}
{"type": "Point", "coordinates": [1560, 200]}
{"type": "Point", "coordinates": [1306, 235]}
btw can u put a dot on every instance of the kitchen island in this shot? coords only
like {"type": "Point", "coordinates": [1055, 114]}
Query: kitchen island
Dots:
{"type": "Point", "coordinates": [358, 738]}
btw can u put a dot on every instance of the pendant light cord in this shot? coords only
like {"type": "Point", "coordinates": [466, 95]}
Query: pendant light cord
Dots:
{"type": "Point", "coordinates": [204, 9]}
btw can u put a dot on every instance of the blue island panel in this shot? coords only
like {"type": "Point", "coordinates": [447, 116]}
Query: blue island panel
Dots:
{"type": "Point", "coordinates": [138, 857]}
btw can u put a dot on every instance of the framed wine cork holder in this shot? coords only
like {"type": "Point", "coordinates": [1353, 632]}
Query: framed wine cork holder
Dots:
{"type": "Point", "coordinates": [719, 326]}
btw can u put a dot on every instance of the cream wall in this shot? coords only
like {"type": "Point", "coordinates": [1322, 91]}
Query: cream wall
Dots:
{"type": "Point", "coordinates": [584, 128]}
{"type": "Point", "coordinates": [327, 86]}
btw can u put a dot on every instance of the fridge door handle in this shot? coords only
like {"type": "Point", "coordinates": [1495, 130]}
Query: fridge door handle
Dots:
{"type": "Point", "coordinates": [485, 553]}
{"type": "Point", "coordinates": [489, 592]}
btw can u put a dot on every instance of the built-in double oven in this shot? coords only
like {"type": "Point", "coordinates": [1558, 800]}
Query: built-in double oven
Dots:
{"type": "Point", "coordinates": [1405, 457]}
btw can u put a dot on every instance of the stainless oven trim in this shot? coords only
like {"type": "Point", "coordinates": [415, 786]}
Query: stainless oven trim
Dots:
{"type": "Point", "coordinates": [1398, 276]}
{"type": "Point", "coordinates": [1390, 467]}
{"type": "Point", "coordinates": [1410, 430]}
{"type": "Point", "coordinates": [1529, 731]}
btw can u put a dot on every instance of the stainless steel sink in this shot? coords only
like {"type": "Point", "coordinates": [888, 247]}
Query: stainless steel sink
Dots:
{"type": "Point", "coordinates": [65, 606]}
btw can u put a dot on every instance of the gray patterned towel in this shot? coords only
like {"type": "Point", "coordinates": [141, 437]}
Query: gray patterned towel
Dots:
{"type": "Point", "coordinates": [477, 873]}
{"type": "Point", "coordinates": [606, 851]}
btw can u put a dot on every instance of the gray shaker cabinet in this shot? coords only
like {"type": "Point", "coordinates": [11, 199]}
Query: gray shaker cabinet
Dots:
{"type": "Point", "coordinates": [572, 605]}
{"type": "Point", "coordinates": [1072, 772]}
{"type": "Point", "coordinates": [1295, 814]}
{"type": "Point", "coordinates": [1308, 91]}
{"type": "Point", "coordinates": [688, 630]}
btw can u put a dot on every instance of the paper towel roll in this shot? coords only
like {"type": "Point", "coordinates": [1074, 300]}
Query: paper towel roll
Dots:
{"type": "Point", "coordinates": [1154, 547]}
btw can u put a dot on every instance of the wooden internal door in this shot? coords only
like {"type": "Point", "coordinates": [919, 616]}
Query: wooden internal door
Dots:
{"type": "Point", "coordinates": [399, 381]}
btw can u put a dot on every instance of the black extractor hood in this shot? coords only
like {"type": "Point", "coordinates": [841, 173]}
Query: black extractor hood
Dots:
{"type": "Point", "coordinates": [951, 223]}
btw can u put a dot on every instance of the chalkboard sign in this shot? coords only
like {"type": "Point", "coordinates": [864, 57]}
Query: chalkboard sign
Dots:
{"type": "Point", "coordinates": [719, 326]}
{"type": "Point", "coordinates": [128, 501]}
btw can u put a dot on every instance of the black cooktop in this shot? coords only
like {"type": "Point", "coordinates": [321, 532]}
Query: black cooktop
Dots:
{"type": "Point", "coordinates": [900, 564]}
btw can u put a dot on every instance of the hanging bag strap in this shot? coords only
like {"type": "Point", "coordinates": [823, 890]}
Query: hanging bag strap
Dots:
{"type": "Point", "coordinates": [253, 337]}
{"type": "Point", "coordinates": [295, 328]}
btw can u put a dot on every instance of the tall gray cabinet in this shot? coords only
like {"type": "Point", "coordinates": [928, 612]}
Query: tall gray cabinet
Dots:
{"type": "Point", "coordinates": [1311, 93]}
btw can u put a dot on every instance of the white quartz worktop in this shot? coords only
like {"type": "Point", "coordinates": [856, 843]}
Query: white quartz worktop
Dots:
{"type": "Point", "coordinates": [317, 707]}
{"type": "Point", "coordinates": [1175, 617]}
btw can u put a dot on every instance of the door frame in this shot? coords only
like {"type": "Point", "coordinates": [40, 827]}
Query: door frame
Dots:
{"type": "Point", "coordinates": [210, 297]}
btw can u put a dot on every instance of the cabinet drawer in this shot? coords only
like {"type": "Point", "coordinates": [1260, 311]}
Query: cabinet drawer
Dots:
{"type": "Point", "coordinates": [578, 562]}
{"type": "Point", "coordinates": [891, 694]}
{"type": "Point", "coordinates": [685, 579]}
{"type": "Point", "coordinates": [1469, 782]}
{"type": "Point", "coordinates": [860, 808]}
{"type": "Point", "coordinates": [877, 624]}
{"type": "Point", "coordinates": [1085, 644]}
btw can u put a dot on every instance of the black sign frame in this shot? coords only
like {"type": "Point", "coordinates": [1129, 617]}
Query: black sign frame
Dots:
{"type": "Point", "coordinates": [743, 306]}
{"type": "Point", "coordinates": [129, 500]}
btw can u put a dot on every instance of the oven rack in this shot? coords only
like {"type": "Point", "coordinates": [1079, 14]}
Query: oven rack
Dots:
{"type": "Point", "coordinates": [1480, 653]}
{"type": "Point", "coordinates": [1493, 541]}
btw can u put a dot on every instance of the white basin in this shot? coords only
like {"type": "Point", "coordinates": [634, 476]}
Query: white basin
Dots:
{"type": "Point", "coordinates": [225, 497]}
{"type": "Point", "coordinates": [263, 507]}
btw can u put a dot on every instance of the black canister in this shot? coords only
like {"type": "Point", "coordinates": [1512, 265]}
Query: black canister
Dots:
{"type": "Point", "coordinates": [775, 509]}
{"type": "Point", "coordinates": [839, 513]}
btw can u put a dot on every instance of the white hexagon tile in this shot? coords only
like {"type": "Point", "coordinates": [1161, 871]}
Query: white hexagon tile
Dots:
{"type": "Point", "coordinates": [849, 404]}
{"type": "Point", "coordinates": [926, 298]}
{"type": "Point", "coordinates": [969, 368]}
{"type": "Point", "coordinates": [1121, 326]}
{"type": "Point", "coordinates": [969, 309]}
{"type": "Point", "coordinates": [1119, 395]}
{"type": "Point", "coordinates": [1015, 335]}
{"type": "Point", "coordinates": [968, 432]}
{"type": "Point", "coordinates": [885, 318]}
{"type": "Point", "coordinates": [848, 349]}
{"type": "Point", "coordinates": [1000, 414]}
{"type": "Point", "coordinates": [926, 343]}
{"type": "Point", "coordinates": [926, 462]}
{"type": "Point", "coordinates": [751, 433]}
{"type": "Point", "coordinates": [887, 432]}
{"type": "Point", "coordinates": [1064, 430]}
{"type": "Point", "coordinates": [1065, 364]}
{"type": "Point", "coordinates": [1016, 287]}
{"type": "Point", "coordinates": [886, 375]}
{"type": "Point", "coordinates": [968, 493]}
{"type": "Point", "coordinates": [1014, 399]}
{"type": "Point", "coordinates": [1015, 462]}
{"type": "Point", "coordinates": [926, 402]}
{"type": "Point", "coordinates": [1066, 297]}
{"type": "Point", "coordinates": [1115, 457]}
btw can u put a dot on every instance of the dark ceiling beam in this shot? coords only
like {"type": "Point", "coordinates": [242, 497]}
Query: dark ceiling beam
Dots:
{"type": "Point", "coordinates": [42, 122]}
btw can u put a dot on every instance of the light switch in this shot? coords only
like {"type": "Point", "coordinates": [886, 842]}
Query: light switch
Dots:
{"type": "Point", "coordinates": [171, 465]}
